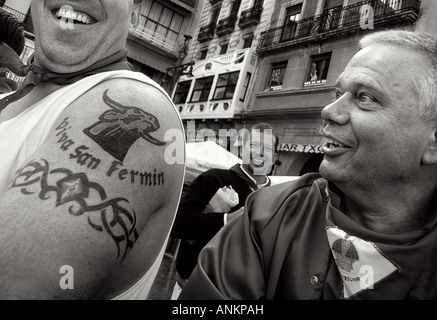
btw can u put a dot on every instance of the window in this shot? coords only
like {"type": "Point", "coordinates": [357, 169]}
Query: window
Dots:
{"type": "Point", "coordinates": [203, 54]}
{"type": "Point", "coordinates": [160, 22]}
{"type": "Point", "coordinates": [224, 48]}
{"type": "Point", "coordinates": [329, 4]}
{"type": "Point", "coordinates": [214, 16]}
{"type": "Point", "coordinates": [226, 85]}
{"type": "Point", "coordinates": [332, 14]}
{"type": "Point", "coordinates": [248, 39]}
{"type": "Point", "coordinates": [235, 7]}
{"type": "Point", "coordinates": [202, 89]}
{"type": "Point", "coordinates": [277, 76]}
{"type": "Point", "coordinates": [292, 16]}
{"type": "Point", "coordinates": [319, 70]}
{"type": "Point", "coordinates": [332, 18]}
{"type": "Point", "coordinates": [245, 86]}
{"type": "Point", "coordinates": [181, 93]}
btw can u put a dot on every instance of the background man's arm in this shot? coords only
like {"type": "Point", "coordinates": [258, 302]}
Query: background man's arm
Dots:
{"type": "Point", "coordinates": [229, 266]}
{"type": "Point", "coordinates": [191, 222]}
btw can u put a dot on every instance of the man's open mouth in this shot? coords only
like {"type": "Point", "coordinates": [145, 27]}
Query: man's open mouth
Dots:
{"type": "Point", "coordinates": [257, 162]}
{"type": "Point", "coordinates": [76, 16]}
{"type": "Point", "coordinates": [331, 144]}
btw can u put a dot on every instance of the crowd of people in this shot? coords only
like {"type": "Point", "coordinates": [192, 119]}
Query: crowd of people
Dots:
{"type": "Point", "coordinates": [364, 226]}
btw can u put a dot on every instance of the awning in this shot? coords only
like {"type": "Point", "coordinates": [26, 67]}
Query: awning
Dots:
{"type": "Point", "coordinates": [201, 156]}
{"type": "Point", "coordinates": [306, 148]}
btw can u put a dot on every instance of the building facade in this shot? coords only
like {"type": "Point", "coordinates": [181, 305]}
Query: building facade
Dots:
{"type": "Point", "coordinates": [159, 41]}
{"type": "Point", "coordinates": [211, 97]}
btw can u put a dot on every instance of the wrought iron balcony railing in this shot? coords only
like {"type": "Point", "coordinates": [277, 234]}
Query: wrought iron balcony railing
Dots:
{"type": "Point", "coordinates": [226, 25]}
{"type": "Point", "coordinates": [336, 23]}
{"type": "Point", "coordinates": [157, 34]}
{"type": "Point", "coordinates": [250, 16]}
{"type": "Point", "coordinates": [206, 32]}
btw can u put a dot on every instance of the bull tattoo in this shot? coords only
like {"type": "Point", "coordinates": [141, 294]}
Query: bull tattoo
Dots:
{"type": "Point", "coordinates": [119, 128]}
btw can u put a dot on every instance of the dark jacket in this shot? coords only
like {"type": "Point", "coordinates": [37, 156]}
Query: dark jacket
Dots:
{"type": "Point", "coordinates": [7, 85]}
{"type": "Point", "coordinates": [192, 224]}
{"type": "Point", "coordinates": [280, 250]}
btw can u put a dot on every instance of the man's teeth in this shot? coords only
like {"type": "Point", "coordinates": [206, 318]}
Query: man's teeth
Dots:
{"type": "Point", "coordinates": [68, 14]}
{"type": "Point", "coordinates": [258, 162]}
{"type": "Point", "coordinates": [334, 144]}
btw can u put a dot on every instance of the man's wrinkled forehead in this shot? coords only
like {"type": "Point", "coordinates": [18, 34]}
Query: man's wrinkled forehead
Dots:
{"type": "Point", "coordinates": [369, 63]}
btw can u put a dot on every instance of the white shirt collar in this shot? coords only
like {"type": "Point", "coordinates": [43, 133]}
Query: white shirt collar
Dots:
{"type": "Point", "coordinates": [254, 181]}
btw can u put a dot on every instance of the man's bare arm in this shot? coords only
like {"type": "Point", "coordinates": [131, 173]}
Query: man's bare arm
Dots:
{"type": "Point", "coordinates": [84, 197]}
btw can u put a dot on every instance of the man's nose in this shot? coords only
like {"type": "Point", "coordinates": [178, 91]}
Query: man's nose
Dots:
{"type": "Point", "coordinates": [338, 110]}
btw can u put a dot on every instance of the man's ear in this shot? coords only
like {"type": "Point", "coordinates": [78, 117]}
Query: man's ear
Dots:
{"type": "Point", "coordinates": [430, 155]}
{"type": "Point", "coordinates": [275, 158]}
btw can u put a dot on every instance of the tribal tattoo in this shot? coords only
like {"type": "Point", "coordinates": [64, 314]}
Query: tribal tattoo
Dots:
{"type": "Point", "coordinates": [74, 190]}
{"type": "Point", "coordinates": [118, 129]}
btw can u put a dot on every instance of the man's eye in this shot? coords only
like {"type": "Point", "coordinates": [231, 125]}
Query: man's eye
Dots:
{"type": "Point", "coordinates": [338, 94]}
{"type": "Point", "coordinates": [364, 97]}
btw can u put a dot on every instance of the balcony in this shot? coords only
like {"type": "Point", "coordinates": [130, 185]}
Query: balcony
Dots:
{"type": "Point", "coordinates": [222, 102]}
{"type": "Point", "coordinates": [250, 17]}
{"type": "Point", "coordinates": [335, 24]}
{"type": "Point", "coordinates": [206, 32]}
{"type": "Point", "coordinates": [226, 26]}
{"type": "Point", "coordinates": [158, 39]}
{"type": "Point", "coordinates": [183, 3]}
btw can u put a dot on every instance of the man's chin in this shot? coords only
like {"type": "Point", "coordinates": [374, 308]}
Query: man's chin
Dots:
{"type": "Point", "coordinates": [260, 171]}
{"type": "Point", "coordinates": [330, 173]}
{"type": "Point", "coordinates": [64, 61]}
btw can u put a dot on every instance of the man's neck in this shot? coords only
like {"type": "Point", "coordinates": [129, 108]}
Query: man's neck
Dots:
{"type": "Point", "coordinates": [259, 179]}
{"type": "Point", "coordinates": [395, 211]}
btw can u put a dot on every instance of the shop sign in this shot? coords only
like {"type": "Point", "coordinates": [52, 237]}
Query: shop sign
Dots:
{"type": "Point", "coordinates": [306, 148]}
